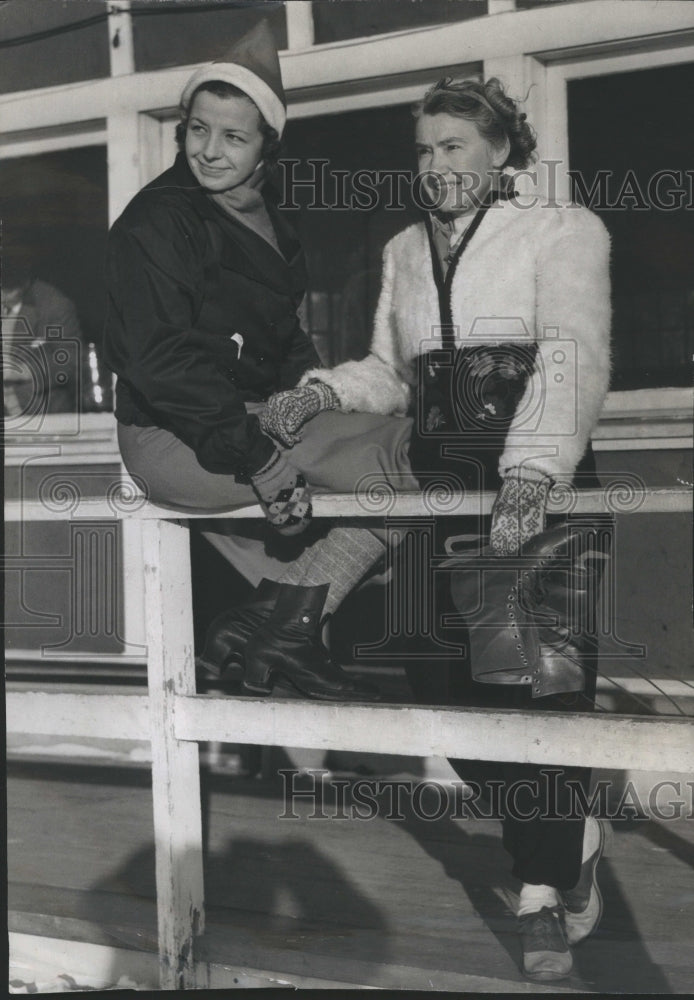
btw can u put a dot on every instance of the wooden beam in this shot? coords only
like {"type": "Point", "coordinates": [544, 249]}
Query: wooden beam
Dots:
{"type": "Point", "coordinates": [300, 27]}
{"type": "Point", "coordinates": [120, 31]}
{"type": "Point", "coordinates": [624, 498]}
{"type": "Point", "coordinates": [123, 160]}
{"type": "Point", "coordinates": [175, 765]}
{"type": "Point", "coordinates": [585, 739]}
{"type": "Point", "coordinates": [106, 716]}
{"type": "Point", "coordinates": [592, 740]}
{"type": "Point", "coordinates": [102, 965]}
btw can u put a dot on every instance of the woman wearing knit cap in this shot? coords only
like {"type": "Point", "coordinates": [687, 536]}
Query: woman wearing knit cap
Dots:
{"type": "Point", "coordinates": [204, 281]}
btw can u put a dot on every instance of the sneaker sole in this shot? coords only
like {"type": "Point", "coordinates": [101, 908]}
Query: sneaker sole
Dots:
{"type": "Point", "coordinates": [547, 977]}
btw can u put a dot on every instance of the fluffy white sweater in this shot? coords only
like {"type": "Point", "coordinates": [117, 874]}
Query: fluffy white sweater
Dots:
{"type": "Point", "coordinates": [530, 272]}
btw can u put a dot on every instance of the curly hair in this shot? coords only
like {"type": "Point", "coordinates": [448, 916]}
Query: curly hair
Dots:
{"type": "Point", "coordinates": [488, 105]}
{"type": "Point", "coordinates": [271, 141]}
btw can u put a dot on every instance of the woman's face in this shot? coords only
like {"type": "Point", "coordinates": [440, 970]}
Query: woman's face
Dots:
{"type": "Point", "coordinates": [462, 164]}
{"type": "Point", "coordinates": [223, 140]}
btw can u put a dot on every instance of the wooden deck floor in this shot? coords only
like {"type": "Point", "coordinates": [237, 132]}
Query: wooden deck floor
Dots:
{"type": "Point", "coordinates": [401, 904]}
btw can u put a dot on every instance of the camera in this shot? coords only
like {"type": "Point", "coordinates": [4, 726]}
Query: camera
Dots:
{"type": "Point", "coordinates": [41, 376]}
{"type": "Point", "coordinates": [499, 376]}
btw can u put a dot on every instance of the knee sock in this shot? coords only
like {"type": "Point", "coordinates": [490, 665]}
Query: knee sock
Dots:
{"type": "Point", "coordinates": [341, 559]}
{"type": "Point", "coordinates": [534, 897]}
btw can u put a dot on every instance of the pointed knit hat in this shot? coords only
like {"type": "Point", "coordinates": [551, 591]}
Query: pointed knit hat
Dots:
{"type": "Point", "coordinates": [252, 65]}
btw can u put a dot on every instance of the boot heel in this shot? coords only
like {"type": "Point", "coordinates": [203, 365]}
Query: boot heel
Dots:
{"type": "Point", "coordinates": [217, 659]}
{"type": "Point", "coordinates": [227, 636]}
{"type": "Point", "coordinates": [286, 648]}
{"type": "Point", "coordinates": [258, 678]}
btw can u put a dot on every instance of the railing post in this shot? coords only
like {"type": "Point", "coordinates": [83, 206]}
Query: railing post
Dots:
{"type": "Point", "coordinates": [175, 766]}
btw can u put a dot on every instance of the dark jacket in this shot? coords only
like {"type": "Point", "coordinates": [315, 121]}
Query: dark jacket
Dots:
{"type": "Point", "coordinates": [183, 278]}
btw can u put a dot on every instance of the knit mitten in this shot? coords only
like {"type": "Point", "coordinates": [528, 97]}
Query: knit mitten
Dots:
{"type": "Point", "coordinates": [518, 513]}
{"type": "Point", "coordinates": [284, 496]}
{"type": "Point", "coordinates": [287, 411]}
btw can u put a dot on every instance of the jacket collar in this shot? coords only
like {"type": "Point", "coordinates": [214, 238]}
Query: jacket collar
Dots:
{"type": "Point", "coordinates": [270, 267]}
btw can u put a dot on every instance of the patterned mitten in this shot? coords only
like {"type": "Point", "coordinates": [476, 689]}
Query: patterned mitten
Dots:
{"type": "Point", "coordinates": [284, 496]}
{"type": "Point", "coordinates": [287, 411]}
{"type": "Point", "coordinates": [518, 513]}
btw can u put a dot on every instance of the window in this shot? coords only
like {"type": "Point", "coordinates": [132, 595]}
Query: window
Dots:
{"type": "Point", "coordinates": [60, 53]}
{"type": "Point", "coordinates": [336, 20]}
{"type": "Point", "coordinates": [175, 33]}
{"type": "Point", "coordinates": [631, 127]}
{"type": "Point", "coordinates": [53, 293]}
{"type": "Point", "coordinates": [344, 244]}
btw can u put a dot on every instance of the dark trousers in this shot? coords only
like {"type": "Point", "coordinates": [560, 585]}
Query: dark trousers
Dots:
{"type": "Point", "coordinates": [540, 813]}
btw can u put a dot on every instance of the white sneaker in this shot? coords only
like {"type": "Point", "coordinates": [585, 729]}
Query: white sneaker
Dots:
{"type": "Point", "coordinates": [583, 903]}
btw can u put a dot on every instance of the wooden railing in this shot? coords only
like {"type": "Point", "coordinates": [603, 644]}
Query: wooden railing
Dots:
{"type": "Point", "coordinates": [176, 719]}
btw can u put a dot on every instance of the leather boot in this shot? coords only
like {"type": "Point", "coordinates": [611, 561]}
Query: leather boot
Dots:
{"type": "Point", "coordinates": [227, 635]}
{"type": "Point", "coordinates": [287, 647]}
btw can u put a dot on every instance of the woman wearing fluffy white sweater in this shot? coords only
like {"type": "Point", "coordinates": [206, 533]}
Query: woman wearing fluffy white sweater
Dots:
{"type": "Point", "coordinates": [491, 340]}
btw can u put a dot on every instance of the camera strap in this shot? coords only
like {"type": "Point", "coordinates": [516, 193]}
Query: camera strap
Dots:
{"type": "Point", "coordinates": [444, 282]}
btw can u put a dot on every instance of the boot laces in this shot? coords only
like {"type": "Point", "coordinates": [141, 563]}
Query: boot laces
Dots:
{"type": "Point", "coordinates": [542, 931]}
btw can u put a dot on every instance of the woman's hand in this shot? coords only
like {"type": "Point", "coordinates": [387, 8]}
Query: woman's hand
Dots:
{"type": "Point", "coordinates": [518, 513]}
{"type": "Point", "coordinates": [284, 496]}
{"type": "Point", "coordinates": [287, 411]}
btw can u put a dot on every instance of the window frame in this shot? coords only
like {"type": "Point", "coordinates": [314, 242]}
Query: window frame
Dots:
{"type": "Point", "coordinates": [653, 418]}
{"type": "Point", "coordinates": [96, 443]}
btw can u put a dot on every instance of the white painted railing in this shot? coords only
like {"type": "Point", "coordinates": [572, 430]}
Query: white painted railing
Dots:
{"type": "Point", "coordinates": [175, 719]}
